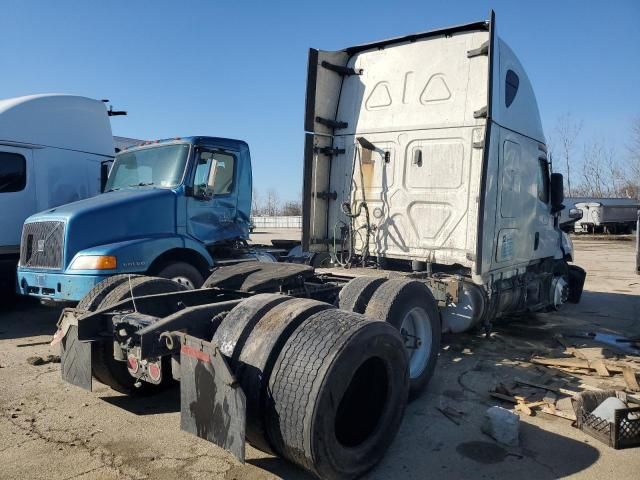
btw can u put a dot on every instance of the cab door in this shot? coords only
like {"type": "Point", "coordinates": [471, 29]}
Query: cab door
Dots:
{"type": "Point", "coordinates": [17, 195]}
{"type": "Point", "coordinates": [212, 209]}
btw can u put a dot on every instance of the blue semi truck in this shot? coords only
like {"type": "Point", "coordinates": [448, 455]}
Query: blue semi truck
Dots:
{"type": "Point", "coordinates": [171, 208]}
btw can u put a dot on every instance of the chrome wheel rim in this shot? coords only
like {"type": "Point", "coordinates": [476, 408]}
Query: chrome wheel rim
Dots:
{"type": "Point", "coordinates": [184, 281]}
{"type": "Point", "coordinates": [416, 332]}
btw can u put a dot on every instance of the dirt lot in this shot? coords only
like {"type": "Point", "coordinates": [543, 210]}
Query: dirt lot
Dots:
{"type": "Point", "coordinates": [51, 430]}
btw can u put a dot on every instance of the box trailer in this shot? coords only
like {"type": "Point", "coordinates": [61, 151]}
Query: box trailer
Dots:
{"type": "Point", "coordinates": [608, 215]}
{"type": "Point", "coordinates": [428, 205]}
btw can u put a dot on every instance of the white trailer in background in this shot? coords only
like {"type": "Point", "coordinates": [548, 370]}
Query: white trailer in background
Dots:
{"type": "Point", "coordinates": [608, 215]}
{"type": "Point", "coordinates": [54, 149]}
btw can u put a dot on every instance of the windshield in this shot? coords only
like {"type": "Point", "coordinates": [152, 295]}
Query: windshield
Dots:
{"type": "Point", "coordinates": [160, 166]}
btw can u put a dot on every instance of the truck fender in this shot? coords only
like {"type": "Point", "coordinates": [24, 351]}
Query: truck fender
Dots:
{"type": "Point", "coordinates": [137, 255]}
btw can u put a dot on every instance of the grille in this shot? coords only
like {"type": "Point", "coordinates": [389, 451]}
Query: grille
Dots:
{"type": "Point", "coordinates": [42, 244]}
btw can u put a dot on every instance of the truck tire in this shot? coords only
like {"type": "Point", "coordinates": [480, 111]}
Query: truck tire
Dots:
{"type": "Point", "coordinates": [92, 299]}
{"type": "Point", "coordinates": [355, 295]}
{"type": "Point", "coordinates": [338, 392]}
{"type": "Point", "coordinates": [259, 354]}
{"type": "Point", "coordinates": [237, 325]}
{"type": "Point", "coordinates": [182, 273]}
{"type": "Point", "coordinates": [114, 373]}
{"type": "Point", "coordinates": [409, 306]}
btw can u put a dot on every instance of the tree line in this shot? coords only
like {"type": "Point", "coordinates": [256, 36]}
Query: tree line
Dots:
{"type": "Point", "coordinates": [269, 204]}
{"type": "Point", "coordinates": [594, 168]}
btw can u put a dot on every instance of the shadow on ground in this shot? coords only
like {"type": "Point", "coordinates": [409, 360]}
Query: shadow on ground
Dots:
{"type": "Point", "coordinates": [27, 318]}
{"type": "Point", "coordinates": [167, 401]}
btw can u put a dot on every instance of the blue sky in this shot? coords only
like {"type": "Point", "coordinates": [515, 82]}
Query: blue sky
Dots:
{"type": "Point", "coordinates": [238, 68]}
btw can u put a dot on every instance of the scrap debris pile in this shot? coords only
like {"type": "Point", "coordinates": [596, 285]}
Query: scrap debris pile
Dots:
{"type": "Point", "coordinates": [605, 403]}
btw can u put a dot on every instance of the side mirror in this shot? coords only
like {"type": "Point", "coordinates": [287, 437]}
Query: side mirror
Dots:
{"type": "Point", "coordinates": [575, 214]}
{"type": "Point", "coordinates": [557, 192]}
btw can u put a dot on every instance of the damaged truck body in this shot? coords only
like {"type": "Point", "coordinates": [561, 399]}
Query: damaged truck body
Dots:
{"type": "Point", "coordinates": [429, 205]}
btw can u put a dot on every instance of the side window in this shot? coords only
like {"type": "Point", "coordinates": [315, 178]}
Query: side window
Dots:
{"type": "Point", "coordinates": [543, 180]}
{"type": "Point", "coordinates": [512, 82]}
{"type": "Point", "coordinates": [13, 172]}
{"type": "Point", "coordinates": [215, 173]}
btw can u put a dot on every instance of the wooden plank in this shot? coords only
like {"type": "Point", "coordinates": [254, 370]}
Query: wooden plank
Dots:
{"type": "Point", "coordinates": [526, 407]}
{"type": "Point", "coordinates": [522, 407]}
{"type": "Point", "coordinates": [501, 396]}
{"type": "Point", "coordinates": [577, 363]}
{"type": "Point", "coordinates": [630, 379]}
{"type": "Point", "coordinates": [600, 368]}
{"type": "Point", "coordinates": [546, 387]}
{"type": "Point", "coordinates": [559, 413]}
{"type": "Point", "coordinates": [561, 362]}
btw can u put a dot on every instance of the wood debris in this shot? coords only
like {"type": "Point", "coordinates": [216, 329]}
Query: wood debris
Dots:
{"type": "Point", "coordinates": [587, 360]}
{"type": "Point", "coordinates": [629, 375]}
{"type": "Point", "coordinates": [559, 413]}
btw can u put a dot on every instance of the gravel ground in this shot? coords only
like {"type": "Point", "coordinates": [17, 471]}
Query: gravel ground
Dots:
{"type": "Point", "coordinates": [51, 430]}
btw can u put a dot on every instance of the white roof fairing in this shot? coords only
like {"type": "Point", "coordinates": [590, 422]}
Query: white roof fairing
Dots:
{"type": "Point", "coordinates": [56, 120]}
{"type": "Point", "coordinates": [522, 115]}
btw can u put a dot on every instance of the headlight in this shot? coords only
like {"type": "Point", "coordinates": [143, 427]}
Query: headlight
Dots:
{"type": "Point", "coordinates": [94, 262]}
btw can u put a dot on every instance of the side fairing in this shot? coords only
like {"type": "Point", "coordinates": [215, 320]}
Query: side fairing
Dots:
{"type": "Point", "coordinates": [518, 227]}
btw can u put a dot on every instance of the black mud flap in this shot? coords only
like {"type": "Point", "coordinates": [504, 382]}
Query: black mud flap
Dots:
{"type": "Point", "coordinates": [212, 404]}
{"type": "Point", "coordinates": [75, 359]}
{"type": "Point", "coordinates": [577, 277]}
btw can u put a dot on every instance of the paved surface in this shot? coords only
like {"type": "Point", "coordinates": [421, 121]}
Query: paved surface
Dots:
{"type": "Point", "coordinates": [51, 430]}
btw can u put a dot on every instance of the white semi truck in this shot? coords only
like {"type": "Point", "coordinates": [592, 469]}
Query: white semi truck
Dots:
{"type": "Point", "coordinates": [428, 205]}
{"type": "Point", "coordinates": [426, 154]}
{"type": "Point", "coordinates": [54, 149]}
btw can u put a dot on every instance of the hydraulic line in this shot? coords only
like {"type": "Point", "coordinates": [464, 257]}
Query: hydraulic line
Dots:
{"type": "Point", "coordinates": [352, 231]}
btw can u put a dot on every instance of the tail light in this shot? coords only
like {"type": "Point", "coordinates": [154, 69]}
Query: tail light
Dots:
{"type": "Point", "coordinates": [132, 364]}
{"type": "Point", "coordinates": [155, 371]}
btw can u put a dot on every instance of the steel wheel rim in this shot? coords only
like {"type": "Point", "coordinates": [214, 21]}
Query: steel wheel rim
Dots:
{"type": "Point", "coordinates": [416, 332]}
{"type": "Point", "coordinates": [188, 284]}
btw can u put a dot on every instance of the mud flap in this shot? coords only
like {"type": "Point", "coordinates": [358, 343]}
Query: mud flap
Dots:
{"type": "Point", "coordinates": [212, 404]}
{"type": "Point", "coordinates": [577, 277]}
{"type": "Point", "coordinates": [75, 359]}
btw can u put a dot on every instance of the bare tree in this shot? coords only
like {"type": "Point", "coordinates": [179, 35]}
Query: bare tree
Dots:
{"type": "Point", "coordinates": [292, 208]}
{"type": "Point", "coordinates": [634, 156]}
{"type": "Point", "coordinates": [599, 171]}
{"type": "Point", "coordinates": [255, 201]}
{"type": "Point", "coordinates": [272, 203]}
{"type": "Point", "coordinates": [565, 134]}
{"type": "Point", "coordinates": [604, 174]}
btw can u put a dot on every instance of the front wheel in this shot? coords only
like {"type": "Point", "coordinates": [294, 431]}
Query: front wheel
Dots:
{"type": "Point", "coordinates": [183, 273]}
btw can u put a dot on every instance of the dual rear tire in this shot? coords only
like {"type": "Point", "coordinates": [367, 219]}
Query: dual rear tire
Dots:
{"type": "Point", "coordinates": [409, 306]}
{"type": "Point", "coordinates": [325, 388]}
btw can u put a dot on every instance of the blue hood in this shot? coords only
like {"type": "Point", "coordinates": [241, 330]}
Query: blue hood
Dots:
{"type": "Point", "coordinates": [110, 217]}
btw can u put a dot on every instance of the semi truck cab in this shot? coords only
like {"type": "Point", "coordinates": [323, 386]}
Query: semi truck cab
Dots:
{"type": "Point", "coordinates": [170, 208]}
{"type": "Point", "coordinates": [54, 149]}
